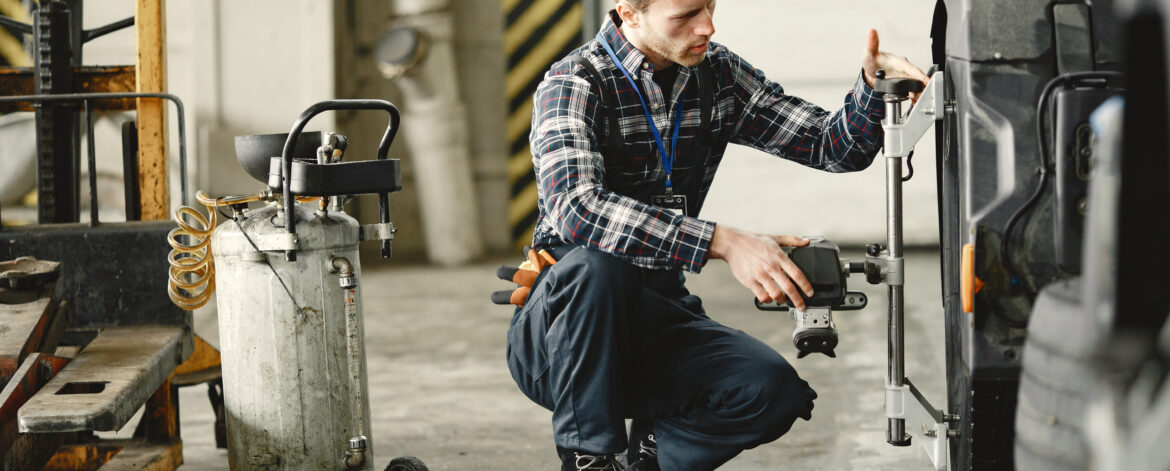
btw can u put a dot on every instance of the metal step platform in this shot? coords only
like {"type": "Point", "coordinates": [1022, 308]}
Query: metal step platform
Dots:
{"type": "Point", "coordinates": [105, 384]}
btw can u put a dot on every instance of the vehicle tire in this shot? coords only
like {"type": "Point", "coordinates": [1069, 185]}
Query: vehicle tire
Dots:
{"type": "Point", "coordinates": [406, 463]}
{"type": "Point", "coordinates": [1056, 381]}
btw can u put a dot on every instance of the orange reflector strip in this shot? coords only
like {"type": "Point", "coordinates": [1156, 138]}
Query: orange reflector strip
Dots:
{"type": "Point", "coordinates": [969, 284]}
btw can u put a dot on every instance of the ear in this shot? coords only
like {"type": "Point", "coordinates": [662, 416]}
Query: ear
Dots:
{"type": "Point", "coordinates": [628, 13]}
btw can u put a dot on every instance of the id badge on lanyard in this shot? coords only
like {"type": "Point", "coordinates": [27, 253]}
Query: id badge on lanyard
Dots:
{"type": "Point", "coordinates": [667, 200]}
{"type": "Point", "coordinates": [673, 202]}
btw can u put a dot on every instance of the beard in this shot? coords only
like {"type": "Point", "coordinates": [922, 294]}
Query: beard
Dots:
{"type": "Point", "coordinates": [673, 51]}
{"type": "Point", "coordinates": [691, 59]}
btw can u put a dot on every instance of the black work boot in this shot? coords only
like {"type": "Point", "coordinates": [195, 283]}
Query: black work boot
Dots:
{"type": "Point", "coordinates": [643, 452]}
{"type": "Point", "coordinates": [572, 460]}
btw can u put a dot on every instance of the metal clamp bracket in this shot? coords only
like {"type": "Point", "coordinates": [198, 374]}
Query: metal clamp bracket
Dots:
{"type": "Point", "coordinates": [923, 421]}
{"type": "Point", "coordinates": [892, 269]}
{"type": "Point", "coordinates": [380, 231]}
{"type": "Point", "coordinates": [903, 132]}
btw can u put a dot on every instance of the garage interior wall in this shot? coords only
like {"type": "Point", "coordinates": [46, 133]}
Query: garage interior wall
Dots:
{"type": "Point", "coordinates": [252, 67]}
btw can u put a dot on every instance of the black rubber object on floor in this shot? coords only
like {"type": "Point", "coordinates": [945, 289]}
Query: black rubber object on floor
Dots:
{"type": "Point", "coordinates": [406, 463]}
{"type": "Point", "coordinates": [1056, 381]}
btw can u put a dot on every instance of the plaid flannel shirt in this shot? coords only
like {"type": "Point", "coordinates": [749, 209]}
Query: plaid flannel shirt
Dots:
{"type": "Point", "coordinates": [584, 197]}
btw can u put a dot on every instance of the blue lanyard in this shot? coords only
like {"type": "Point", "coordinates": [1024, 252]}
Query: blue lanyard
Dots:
{"type": "Point", "coordinates": [667, 159]}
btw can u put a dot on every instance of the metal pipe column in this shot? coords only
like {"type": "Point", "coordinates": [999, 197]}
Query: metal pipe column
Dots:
{"type": "Point", "coordinates": [896, 373]}
{"type": "Point", "coordinates": [436, 130]}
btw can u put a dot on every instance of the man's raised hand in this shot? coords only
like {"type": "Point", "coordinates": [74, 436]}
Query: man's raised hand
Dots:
{"type": "Point", "coordinates": [895, 66]}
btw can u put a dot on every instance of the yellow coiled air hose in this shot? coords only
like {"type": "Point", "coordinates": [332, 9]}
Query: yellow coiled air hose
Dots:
{"type": "Point", "coordinates": [192, 272]}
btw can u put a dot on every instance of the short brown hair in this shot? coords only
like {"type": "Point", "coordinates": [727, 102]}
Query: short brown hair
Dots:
{"type": "Point", "coordinates": [639, 5]}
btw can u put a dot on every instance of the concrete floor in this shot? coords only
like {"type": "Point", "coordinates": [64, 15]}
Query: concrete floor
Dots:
{"type": "Point", "coordinates": [440, 389]}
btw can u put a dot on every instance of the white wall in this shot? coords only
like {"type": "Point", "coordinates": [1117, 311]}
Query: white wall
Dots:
{"type": "Point", "coordinates": [814, 49]}
{"type": "Point", "coordinates": [240, 68]}
{"type": "Point", "coordinates": [257, 65]}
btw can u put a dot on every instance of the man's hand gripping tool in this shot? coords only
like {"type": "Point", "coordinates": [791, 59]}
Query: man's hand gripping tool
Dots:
{"type": "Point", "coordinates": [815, 331]}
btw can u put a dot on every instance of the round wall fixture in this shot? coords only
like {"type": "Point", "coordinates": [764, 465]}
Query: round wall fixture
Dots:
{"type": "Point", "coordinates": [399, 50]}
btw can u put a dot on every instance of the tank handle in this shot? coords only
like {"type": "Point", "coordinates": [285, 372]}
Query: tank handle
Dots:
{"type": "Point", "coordinates": [383, 152]}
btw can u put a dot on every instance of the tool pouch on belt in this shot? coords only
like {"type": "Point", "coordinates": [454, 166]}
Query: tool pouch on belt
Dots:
{"type": "Point", "coordinates": [524, 275]}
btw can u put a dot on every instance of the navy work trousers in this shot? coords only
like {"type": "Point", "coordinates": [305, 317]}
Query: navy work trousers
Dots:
{"type": "Point", "coordinates": [600, 340]}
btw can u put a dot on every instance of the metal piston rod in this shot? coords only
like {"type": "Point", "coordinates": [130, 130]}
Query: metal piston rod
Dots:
{"type": "Point", "coordinates": [896, 371]}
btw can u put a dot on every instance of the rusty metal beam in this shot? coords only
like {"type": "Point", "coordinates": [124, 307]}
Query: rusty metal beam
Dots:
{"type": "Point", "coordinates": [95, 79]}
{"type": "Point", "coordinates": [17, 451]}
{"type": "Point", "coordinates": [84, 456]}
{"type": "Point", "coordinates": [118, 455]}
{"type": "Point", "coordinates": [202, 366]}
{"type": "Point", "coordinates": [24, 331]}
{"type": "Point", "coordinates": [160, 418]}
{"type": "Point", "coordinates": [8, 366]}
{"type": "Point", "coordinates": [150, 25]}
{"type": "Point", "coordinates": [147, 456]}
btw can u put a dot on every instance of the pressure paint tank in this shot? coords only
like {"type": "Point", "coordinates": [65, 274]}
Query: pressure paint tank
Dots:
{"type": "Point", "coordinates": [285, 373]}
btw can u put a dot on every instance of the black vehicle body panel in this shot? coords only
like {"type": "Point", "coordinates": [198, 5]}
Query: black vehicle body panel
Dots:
{"type": "Point", "coordinates": [997, 57]}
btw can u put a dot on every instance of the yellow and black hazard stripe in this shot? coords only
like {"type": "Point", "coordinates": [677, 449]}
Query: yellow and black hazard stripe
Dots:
{"type": "Point", "coordinates": [537, 33]}
{"type": "Point", "coordinates": [12, 51]}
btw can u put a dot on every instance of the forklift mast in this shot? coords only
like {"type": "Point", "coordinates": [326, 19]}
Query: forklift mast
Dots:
{"type": "Point", "coordinates": [99, 338]}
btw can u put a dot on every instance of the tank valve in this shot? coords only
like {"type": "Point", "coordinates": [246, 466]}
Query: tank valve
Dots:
{"type": "Point", "coordinates": [356, 457]}
{"type": "Point", "coordinates": [345, 275]}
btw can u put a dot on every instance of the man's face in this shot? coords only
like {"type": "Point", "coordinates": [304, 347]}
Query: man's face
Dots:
{"type": "Point", "coordinates": [677, 30]}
